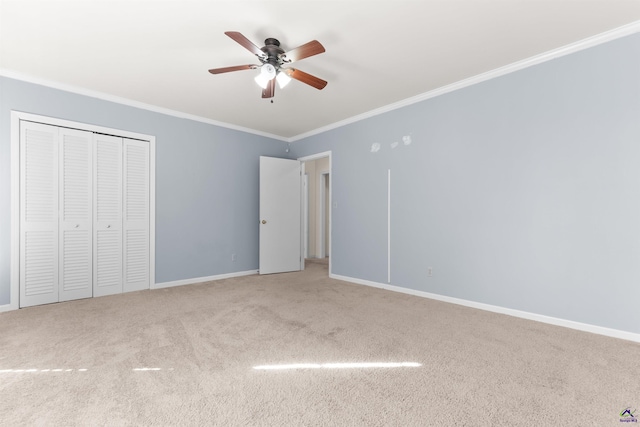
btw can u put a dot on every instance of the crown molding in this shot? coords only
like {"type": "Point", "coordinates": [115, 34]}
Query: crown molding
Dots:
{"type": "Point", "coordinates": [129, 102]}
{"type": "Point", "coordinates": [596, 40]}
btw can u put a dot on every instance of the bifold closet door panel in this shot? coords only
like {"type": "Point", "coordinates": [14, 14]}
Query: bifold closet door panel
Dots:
{"type": "Point", "coordinates": [75, 213]}
{"type": "Point", "coordinates": [107, 216]}
{"type": "Point", "coordinates": [136, 215]}
{"type": "Point", "coordinates": [38, 214]}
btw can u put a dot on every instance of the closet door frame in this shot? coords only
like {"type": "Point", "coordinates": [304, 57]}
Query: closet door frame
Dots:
{"type": "Point", "coordinates": [16, 118]}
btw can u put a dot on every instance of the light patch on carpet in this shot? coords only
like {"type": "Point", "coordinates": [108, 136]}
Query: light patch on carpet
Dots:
{"type": "Point", "coordinates": [32, 370]}
{"type": "Point", "coordinates": [364, 365]}
{"type": "Point", "coordinates": [147, 369]}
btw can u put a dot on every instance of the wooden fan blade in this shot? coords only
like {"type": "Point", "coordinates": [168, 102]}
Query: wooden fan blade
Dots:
{"type": "Point", "coordinates": [229, 69]}
{"type": "Point", "coordinates": [305, 78]}
{"type": "Point", "coordinates": [270, 90]}
{"type": "Point", "coordinates": [306, 50]}
{"type": "Point", "coordinates": [246, 43]}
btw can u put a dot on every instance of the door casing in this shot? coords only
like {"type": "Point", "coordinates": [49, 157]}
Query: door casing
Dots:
{"type": "Point", "coordinates": [16, 117]}
{"type": "Point", "coordinates": [317, 156]}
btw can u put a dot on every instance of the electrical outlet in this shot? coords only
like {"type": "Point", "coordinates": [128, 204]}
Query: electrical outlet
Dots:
{"type": "Point", "coordinates": [430, 271]}
{"type": "Point", "coordinates": [233, 257]}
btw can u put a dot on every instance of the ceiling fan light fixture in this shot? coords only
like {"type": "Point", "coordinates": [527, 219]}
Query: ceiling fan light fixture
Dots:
{"type": "Point", "coordinates": [272, 58]}
{"type": "Point", "coordinates": [267, 73]}
{"type": "Point", "coordinates": [268, 70]}
{"type": "Point", "coordinates": [262, 80]}
{"type": "Point", "coordinates": [283, 79]}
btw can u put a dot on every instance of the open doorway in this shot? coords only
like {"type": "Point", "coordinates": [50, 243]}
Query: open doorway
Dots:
{"type": "Point", "coordinates": [317, 208]}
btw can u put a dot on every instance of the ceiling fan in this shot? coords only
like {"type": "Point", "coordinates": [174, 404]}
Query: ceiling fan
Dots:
{"type": "Point", "coordinates": [273, 58]}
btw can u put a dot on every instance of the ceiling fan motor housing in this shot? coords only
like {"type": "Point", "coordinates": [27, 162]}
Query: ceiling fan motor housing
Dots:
{"type": "Point", "coordinates": [273, 51]}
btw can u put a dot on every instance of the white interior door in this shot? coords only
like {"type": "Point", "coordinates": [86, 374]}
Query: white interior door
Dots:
{"type": "Point", "coordinates": [76, 220]}
{"type": "Point", "coordinates": [136, 215]}
{"type": "Point", "coordinates": [280, 219]}
{"type": "Point", "coordinates": [107, 226]}
{"type": "Point", "coordinates": [38, 214]}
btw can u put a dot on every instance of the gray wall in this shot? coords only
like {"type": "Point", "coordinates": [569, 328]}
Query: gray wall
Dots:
{"type": "Point", "coordinates": [522, 191]}
{"type": "Point", "coordinates": [206, 181]}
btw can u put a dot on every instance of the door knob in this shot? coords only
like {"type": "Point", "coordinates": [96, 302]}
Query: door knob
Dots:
{"type": "Point", "coordinates": [77, 225]}
{"type": "Point", "coordinates": [264, 221]}
{"type": "Point", "coordinates": [109, 226]}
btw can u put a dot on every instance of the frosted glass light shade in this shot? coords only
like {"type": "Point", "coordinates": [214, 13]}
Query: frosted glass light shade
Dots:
{"type": "Point", "coordinates": [267, 72]}
{"type": "Point", "coordinates": [283, 79]}
{"type": "Point", "coordinates": [262, 80]}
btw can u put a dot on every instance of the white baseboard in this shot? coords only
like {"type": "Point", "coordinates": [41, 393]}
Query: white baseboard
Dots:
{"type": "Point", "coordinates": [10, 307]}
{"type": "Point", "coordinates": [615, 333]}
{"type": "Point", "coordinates": [202, 279]}
{"type": "Point", "coordinates": [7, 307]}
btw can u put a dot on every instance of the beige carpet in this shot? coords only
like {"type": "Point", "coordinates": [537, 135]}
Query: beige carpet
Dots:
{"type": "Point", "coordinates": [186, 356]}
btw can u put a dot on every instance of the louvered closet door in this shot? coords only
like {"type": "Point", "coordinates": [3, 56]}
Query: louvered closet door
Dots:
{"type": "Point", "coordinates": [107, 225]}
{"type": "Point", "coordinates": [76, 220]}
{"type": "Point", "coordinates": [136, 215]}
{"type": "Point", "coordinates": [38, 214]}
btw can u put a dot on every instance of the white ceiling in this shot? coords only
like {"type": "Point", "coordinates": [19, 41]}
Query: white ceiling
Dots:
{"type": "Point", "coordinates": [377, 52]}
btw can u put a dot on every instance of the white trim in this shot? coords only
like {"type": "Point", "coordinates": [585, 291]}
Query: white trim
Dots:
{"type": "Point", "coordinates": [592, 41]}
{"type": "Point", "coordinates": [14, 276]}
{"type": "Point", "coordinates": [322, 155]}
{"type": "Point", "coordinates": [152, 211]}
{"type": "Point", "coordinates": [330, 209]}
{"type": "Point", "coordinates": [316, 157]}
{"type": "Point", "coordinates": [321, 218]}
{"type": "Point", "coordinates": [202, 279]}
{"type": "Point", "coordinates": [7, 307]}
{"type": "Point", "coordinates": [389, 226]}
{"type": "Point", "coordinates": [305, 214]}
{"type": "Point", "coordinates": [16, 117]}
{"type": "Point", "coordinates": [598, 39]}
{"type": "Point", "coordinates": [615, 333]}
{"type": "Point", "coordinates": [129, 102]}
{"type": "Point", "coordinates": [54, 121]}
